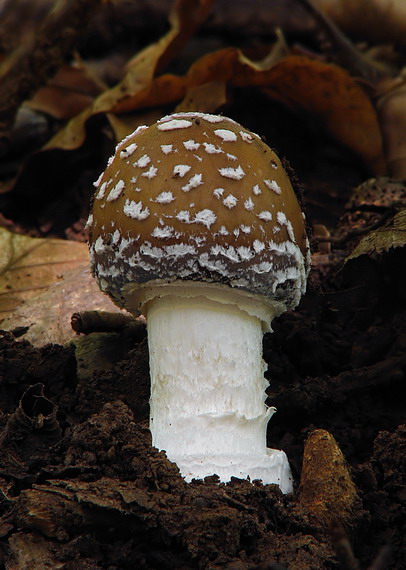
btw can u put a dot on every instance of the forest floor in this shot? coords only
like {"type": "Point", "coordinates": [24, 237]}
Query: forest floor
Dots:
{"type": "Point", "coordinates": [81, 487]}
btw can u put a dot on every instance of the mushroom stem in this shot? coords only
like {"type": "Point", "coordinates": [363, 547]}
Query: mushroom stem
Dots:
{"type": "Point", "coordinates": [208, 396]}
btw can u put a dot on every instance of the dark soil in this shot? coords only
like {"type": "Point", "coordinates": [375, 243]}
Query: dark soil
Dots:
{"type": "Point", "coordinates": [83, 488]}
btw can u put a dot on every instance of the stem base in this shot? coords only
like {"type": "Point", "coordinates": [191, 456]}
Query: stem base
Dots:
{"type": "Point", "coordinates": [272, 468]}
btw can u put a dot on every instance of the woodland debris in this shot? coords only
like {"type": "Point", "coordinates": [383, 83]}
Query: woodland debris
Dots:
{"type": "Point", "coordinates": [377, 21]}
{"type": "Point", "coordinates": [31, 551]}
{"type": "Point", "coordinates": [337, 362]}
{"type": "Point", "coordinates": [28, 266]}
{"type": "Point", "coordinates": [383, 237]}
{"type": "Point", "coordinates": [388, 92]}
{"type": "Point", "coordinates": [326, 487]}
{"type": "Point", "coordinates": [86, 322]}
{"type": "Point", "coordinates": [36, 61]}
{"type": "Point", "coordinates": [45, 318]}
{"type": "Point", "coordinates": [35, 412]}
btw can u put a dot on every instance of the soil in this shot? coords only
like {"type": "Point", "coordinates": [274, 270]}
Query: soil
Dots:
{"type": "Point", "coordinates": [81, 487]}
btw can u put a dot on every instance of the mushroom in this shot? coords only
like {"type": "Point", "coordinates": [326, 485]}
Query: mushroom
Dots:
{"type": "Point", "coordinates": [195, 225]}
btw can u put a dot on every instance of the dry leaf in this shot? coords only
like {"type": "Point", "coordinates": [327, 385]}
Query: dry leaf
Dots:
{"type": "Point", "coordinates": [160, 91]}
{"type": "Point", "coordinates": [390, 236]}
{"type": "Point", "coordinates": [68, 93]}
{"type": "Point", "coordinates": [184, 18]}
{"type": "Point", "coordinates": [333, 98]}
{"type": "Point", "coordinates": [207, 97]}
{"type": "Point", "coordinates": [122, 125]}
{"type": "Point", "coordinates": [30, 265]}
{"type": "Point", "coordinates": [385, 83]}
{"type": "Point", "coordinates": [47, 316]}
{"type": "Point", "coordinates": [53, 506]}
{"type": "Point", "coordinates": [323, 92]}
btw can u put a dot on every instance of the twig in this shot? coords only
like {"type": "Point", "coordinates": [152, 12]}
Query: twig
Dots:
{"type": "Point", "coordinates": [87, 322]}
{"type": "Point", "coordinates": [344, 51]}
{"type": "Point", "coordinates": [356, 232]}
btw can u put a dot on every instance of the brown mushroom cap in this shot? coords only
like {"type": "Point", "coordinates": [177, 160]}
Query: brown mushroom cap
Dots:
{"type": "Point", "coordinates": [198, 197]}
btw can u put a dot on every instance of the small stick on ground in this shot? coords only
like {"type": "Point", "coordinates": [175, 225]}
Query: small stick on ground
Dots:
{"type": "Point", "coordinates": [87, 322]}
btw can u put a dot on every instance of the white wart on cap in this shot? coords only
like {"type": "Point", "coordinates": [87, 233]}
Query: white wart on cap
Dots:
{"type": "Point", "coordinates": [198, 197]}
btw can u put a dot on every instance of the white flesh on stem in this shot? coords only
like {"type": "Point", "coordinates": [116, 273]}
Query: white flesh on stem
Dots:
{"type": "Point", "coordinates": [208, 396]}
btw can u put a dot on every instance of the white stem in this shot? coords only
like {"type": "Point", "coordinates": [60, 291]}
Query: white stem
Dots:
{"type": "Point", "coordinates": [208, 390]}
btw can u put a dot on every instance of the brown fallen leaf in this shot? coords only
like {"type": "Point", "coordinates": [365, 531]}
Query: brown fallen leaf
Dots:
{"type": "Point", "coordinates": [66, 95]}
{"type": "Point", "coordinates": [47, 316]}
{"type": "Point", "coordinates": [324, 92]}
{"type": "Point", "coordinates": [123, 125]}
{"type": "Point", "coordinates": [390, 236]}
{"type": "Point", "coordinates": [30, 265]}
{"type": "Point", "coordinates": [36, 60]}
{"type": "Point", "coordinates": [385, 83]}
{"type": "Point", "coordinates": [208, 97]}
{"type": "Point", "coordinates": [53, 508]}
{"type": "Point", "coordinates": [329, 95]}
{"type": "Point", "coordinates": [184, 19]}
{"type": "Point", "coordinates": [160, 91]}
{"type": "Point", "coordinates": [391, 106]}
